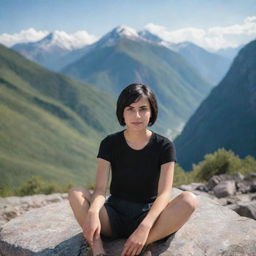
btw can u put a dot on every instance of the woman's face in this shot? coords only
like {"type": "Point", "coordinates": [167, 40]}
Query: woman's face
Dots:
{"type": "Point", "coordinates": [137, 114]}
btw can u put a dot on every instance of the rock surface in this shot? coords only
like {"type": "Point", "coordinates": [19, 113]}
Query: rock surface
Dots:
{"type": "Point", "coordinates": [52, 230]}
{"type": "Point", "coordinates": [11, 207]}
{"type": "Point", "coordinates": [237, 192]}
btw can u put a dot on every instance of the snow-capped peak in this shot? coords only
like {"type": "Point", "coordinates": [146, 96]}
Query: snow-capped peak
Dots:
{"type": "Point", "coordinates": [125, 31]}
{"type": "Point", "coordinates": [184, 44]}
{"type": "Point", "coordinates": [150, 36]}
{"type": "Point", "coordinates": [66, 41]}
{"type": "Point", "coordinates": [118, 32]}
{"type": "Point", "coordinates": [154, 38]}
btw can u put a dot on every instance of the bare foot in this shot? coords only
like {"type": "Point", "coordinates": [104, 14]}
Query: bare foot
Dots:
{"type": "Point", "coordinates": [146, 251]}
{"type": "Point", "coordinates": [97, 247]}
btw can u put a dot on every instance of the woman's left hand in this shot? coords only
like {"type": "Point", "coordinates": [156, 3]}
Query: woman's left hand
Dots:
{"type": "Point", "coordinates": [135, 242]}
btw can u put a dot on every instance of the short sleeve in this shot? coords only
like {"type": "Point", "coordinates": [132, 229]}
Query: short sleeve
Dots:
{"type": "Point", "coordinates": [168, 152]}
{"type": "Point", "coordinates": [105, 149]}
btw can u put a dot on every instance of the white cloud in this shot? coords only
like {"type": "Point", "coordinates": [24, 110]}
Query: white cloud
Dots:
{"type": "Point", "coordinates": [81, 38]}
{"type": "Point", "coordinates": [70, 41]}
{"type": "Point", "coordinates": [212, 38]}
{"type": "Point", "coordinates": [75, 40]}
{"type": "Point", "coordinates": [29, 35]}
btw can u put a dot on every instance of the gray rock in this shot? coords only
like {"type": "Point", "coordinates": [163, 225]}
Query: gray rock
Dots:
{"type": "Point", "coordinates": [216, 179]}
{"type": "Point", "coordinates": [243, 187]}
{"type": "Point", "coordinates": [247, 209]}
{"type": "Point", "coordinates": [11, 207]}
{"type": "Point", "coordinates": [238, 176]}
{"type": "Point", "coordinates": [233, 207]}
{"type": "Point", "coordinates": [203, 188]}
{"type": "Point", "coordinates": [190, 187]}
{"type": "Point", "coordinates": [52, 230]}
{"type": "Point", "coordinates": [224, 189]}
{"type": "Point", "coordinates": [253, 188]}
{"type": "Point", "coordinates": [251, 177]}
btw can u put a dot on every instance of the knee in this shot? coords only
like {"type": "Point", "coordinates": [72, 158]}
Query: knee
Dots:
{"type": "Point", "coordinates": [79, 191]}
{"type": "Point", "coordinates": [189, 200]}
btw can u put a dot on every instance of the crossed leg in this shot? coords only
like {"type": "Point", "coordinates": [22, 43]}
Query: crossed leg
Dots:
{"type": "Point", "coordinates": [80, 199]}
{"type": "Point", "coordinates": [173, 217]}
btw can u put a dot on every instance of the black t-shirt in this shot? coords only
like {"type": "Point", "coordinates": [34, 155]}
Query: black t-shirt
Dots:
{"type": "Point", "coordinates": [135, 173]}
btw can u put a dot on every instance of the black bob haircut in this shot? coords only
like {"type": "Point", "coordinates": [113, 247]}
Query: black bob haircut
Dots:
{"type": "Point", "coordinates": [132, 93]}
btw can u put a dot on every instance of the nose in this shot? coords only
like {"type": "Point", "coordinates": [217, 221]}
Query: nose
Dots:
{"type": "Point", "coordinates": [137, 113]}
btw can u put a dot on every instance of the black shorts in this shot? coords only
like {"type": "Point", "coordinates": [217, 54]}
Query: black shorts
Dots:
{"type": "Point", "coordinates": [125, 216]}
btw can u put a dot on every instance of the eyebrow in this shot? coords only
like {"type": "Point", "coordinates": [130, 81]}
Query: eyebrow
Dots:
{"type": "Point", "coordinates": [140, 106]}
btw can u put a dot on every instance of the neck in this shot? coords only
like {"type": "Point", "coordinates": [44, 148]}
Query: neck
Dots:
{"type": "Point", "coordinates": [137, 135]}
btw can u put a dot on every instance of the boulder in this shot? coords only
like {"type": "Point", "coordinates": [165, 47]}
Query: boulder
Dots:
{"type": "Point", "coordinates": [216, 179]}
{"type": "Point", "coordinates": [52, 230]}
{"type": "Point", "coordinates": [251, 177]}
{"type": "Point", "coordinates": [243, 187]}
{"type": "Point", "coordinates": [190, 187]}
{"type": "Point", "coordinates": [49, 230]}
{"type": "Point", "coordinates": [247, 209]}
{"type": "Point", "coordinates": [224, 189]}
{"type": "Point", "coordinates": [253, 188]}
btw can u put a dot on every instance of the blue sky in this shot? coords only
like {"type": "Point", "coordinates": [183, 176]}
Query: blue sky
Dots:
{"type": "Point", "coordinates": [97, 17]}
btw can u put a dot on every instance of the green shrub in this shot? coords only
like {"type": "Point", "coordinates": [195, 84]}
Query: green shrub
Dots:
{"type": "Point", "coordinates": [36, 185]}
{"type": "Point", "coordinates": [5, 190]}
{"type": "Point", "coordinates": [180, 176]}
{"type": "Point", "coordinates": [220, 162]}
{"type": "Point", "coordinates": [248, 165]}
{"type": "Point", "coordinates": [51, 188]}
{"type": "Point", "coordinates": [33, 186]}
{"type": "Point", "coordinates": [67, 187]}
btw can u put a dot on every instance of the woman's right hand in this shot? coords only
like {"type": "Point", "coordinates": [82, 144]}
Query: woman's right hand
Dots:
{"type": "Point", "coordinates": [91, 227]}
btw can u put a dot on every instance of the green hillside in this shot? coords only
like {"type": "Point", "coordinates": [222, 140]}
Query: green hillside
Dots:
{"type": "Point", "coordinates": [176, 83]}
{"type": "Point", "coordinates": [50, 125]}
{"type": "Point", "coordinates": [227, 117]}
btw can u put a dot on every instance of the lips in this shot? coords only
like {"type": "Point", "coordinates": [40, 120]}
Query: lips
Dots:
{"type": "Point", "coordinates": [136, 123]}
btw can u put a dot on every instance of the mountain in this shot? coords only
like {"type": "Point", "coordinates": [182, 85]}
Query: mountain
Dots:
{"type": "Point", "coordinates": [119, 32]}
{"type": "Point", "coordinates": [150, 36]}
{"type": "Point", "coordinates": [211, 66]}
{"type": "Point", "coordinates": [58, 50]}
{"type": "Point", "coordinates": [122, 57]}
{"type": "Point", "coordinates": [50, 125]}
{"type": "Point", "coordinates": [229, 52]}
{"type": "Point", "coordinates": [53, 51]}
{"type": "Point", "coordinates": [227, 117]}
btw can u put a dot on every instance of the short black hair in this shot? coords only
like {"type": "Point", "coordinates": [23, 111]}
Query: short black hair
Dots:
{"type": "Point", "coordinates": [132, 93]}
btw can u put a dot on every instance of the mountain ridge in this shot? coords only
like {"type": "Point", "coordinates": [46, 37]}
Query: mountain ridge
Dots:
{"type": "Point", "coordinates": [110, 68]}
{"type": "Point", "coordinates": [227, 117]}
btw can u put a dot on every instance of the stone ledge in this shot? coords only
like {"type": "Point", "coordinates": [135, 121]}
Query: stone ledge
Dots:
{"type": "Point", "coordinates": [52, 230]}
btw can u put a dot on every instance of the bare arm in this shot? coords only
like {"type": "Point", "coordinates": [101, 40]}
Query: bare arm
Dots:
{"type": "Point", "coordinates": [92, 226]}
{"type": "Point", "coordinates": [163, 197]}
{"type": "Point", "coordinates": [102, 175]}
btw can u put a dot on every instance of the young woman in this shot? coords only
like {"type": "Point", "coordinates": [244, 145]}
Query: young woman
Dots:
{"type": "Point", "coordinates": [142, 165]}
